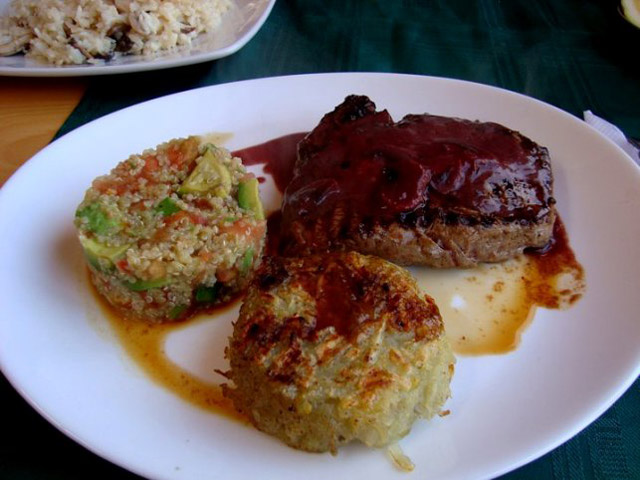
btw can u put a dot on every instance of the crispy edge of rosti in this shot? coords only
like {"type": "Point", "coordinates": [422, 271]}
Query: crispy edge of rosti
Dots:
{"type": "Point", "coordinates": [317, 390]}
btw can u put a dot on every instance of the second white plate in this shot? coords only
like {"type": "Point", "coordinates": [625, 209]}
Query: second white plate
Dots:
{"type": "Point", "coordinates": [239, 26]}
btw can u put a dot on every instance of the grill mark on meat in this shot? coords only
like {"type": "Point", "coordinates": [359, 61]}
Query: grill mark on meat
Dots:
{"type": "Point", "coordinates": [359, 174]}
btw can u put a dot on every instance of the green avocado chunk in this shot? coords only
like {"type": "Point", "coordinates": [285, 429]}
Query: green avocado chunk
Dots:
{"type": "Point", "coordinates": [98, 221]}
{"type": "Point", "coordinates": [247, 260]}
{"type": "Point", "coordinates": [210, 175]}
{"type": "Point", "coordinates": [249, 197]}
{"type": "Point", "coordinates": [142, 285]}
{"type": "Point", "coordinates": [206, 294]}
{"type": "Point", "coordinates": [167, 207]}
{"type": "Point", "coordinates": [177, 311]}
{"type": "Point", "coordinates": [96, 251]}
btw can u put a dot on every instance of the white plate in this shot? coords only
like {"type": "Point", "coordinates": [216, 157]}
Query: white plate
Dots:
{"type": "Point", "coordinates": [239, 26]}
{"type": "Point", "coordinates": [57, 351]}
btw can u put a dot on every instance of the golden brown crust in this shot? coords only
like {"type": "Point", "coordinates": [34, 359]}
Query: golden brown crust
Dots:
{"type": "Point", "coordinates": [337, 347]}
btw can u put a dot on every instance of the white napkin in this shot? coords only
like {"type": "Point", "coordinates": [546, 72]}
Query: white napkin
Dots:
{"type": "Point", "coordinates": [613, 133]}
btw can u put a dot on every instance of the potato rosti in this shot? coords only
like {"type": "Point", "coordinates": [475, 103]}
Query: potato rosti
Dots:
{"type": "Point", "coordinates": [337, 347]}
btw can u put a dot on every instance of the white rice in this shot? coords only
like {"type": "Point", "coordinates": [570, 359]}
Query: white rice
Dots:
{"type": "Point", "coordinates": [63, 32]}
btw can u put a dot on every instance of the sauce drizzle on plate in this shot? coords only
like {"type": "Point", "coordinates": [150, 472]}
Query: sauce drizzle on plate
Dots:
{"type": "Point", "coordinates": [145, 344]}
{"type": "Point", "coordinates": [486, 309]}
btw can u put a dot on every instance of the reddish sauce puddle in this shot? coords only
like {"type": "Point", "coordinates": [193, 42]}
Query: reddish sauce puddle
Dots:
{"type": "Point", "coordinates": [145, 344]}
{"type": "Point", "coordinates": [549, 264]}
{"type": "Point", "coordinates": [501, 297]}
{"type": "Point", "coordinates": [278, 155]}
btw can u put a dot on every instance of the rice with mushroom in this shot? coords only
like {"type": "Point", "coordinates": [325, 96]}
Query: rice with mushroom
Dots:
{"type": "Point", "coordinates": [63, 32]}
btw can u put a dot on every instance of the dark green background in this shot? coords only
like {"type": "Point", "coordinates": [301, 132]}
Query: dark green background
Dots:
{"type": "Point", "coordinates": [574, 54]}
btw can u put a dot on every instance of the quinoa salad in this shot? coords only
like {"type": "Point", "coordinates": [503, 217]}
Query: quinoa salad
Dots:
{"type": "Point", "coordinates": [73, 32]}
{"type": "Point", "coordinates": [171, 229]}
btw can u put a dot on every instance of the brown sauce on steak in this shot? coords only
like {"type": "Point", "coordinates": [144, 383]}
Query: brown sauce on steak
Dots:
{"type": "Point", "coordinates": [359, 167]}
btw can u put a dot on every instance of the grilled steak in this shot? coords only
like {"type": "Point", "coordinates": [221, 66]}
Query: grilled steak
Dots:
{"type": "Point", "coordinates": [427, 190]}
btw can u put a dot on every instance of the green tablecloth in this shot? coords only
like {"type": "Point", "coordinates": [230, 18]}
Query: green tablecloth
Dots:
{"type": "Point", "coordinates": [576, 55]}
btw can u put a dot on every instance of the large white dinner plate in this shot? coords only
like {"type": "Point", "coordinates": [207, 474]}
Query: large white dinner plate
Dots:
{"type": "Point", "coordinates": [239, 25]}
{"type": "Point", "coordinates": [58, 352]}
